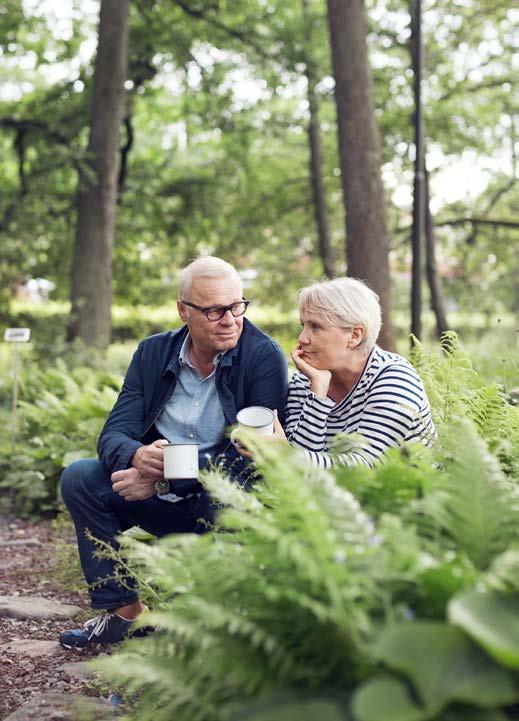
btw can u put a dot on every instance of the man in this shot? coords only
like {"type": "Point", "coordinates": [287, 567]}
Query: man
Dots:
{"type": "Point", "coordinates": [181, 386]}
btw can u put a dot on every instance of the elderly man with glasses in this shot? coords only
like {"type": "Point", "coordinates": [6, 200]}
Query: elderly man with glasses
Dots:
{"type": "Point", "coordinates": [182, 386]}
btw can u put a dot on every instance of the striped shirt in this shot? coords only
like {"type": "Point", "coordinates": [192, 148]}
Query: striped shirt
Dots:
{"type": "Point", "coordinates": [387, 407]}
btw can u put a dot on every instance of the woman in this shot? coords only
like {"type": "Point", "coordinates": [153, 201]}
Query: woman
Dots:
{"type": "Point", "coordinates": [345, 383]}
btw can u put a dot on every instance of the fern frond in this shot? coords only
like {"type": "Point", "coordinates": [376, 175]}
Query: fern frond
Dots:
{"type": "Point", "coordinates": [472, 501]}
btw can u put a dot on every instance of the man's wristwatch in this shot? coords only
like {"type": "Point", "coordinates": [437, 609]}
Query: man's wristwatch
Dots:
{"type": "Point", "coordinates": [161, 487]}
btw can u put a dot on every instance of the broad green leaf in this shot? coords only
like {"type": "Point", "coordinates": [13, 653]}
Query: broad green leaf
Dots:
{"type": "Point", "coordinates": [386, 699]}
{"type": "Point", "coordinates": [139, 534]}
{"type": "Point", "coordinates": [308, 710]}
{"type": "Point", "coordinates": [492, 619]}
{"type": "Point", "coordinates": [444, 666]}
{"type": "Point", "coordinates": [466, 713]}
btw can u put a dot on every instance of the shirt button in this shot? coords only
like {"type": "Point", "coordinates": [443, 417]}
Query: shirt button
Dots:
{"type": "Point", "coordinates": [197, 404]}
{"type": "Point", "coordinates": [191, 435]}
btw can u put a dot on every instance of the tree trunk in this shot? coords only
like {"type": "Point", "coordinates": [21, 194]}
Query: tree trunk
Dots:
{"type": "Point", "coordinates": [314, 136]}
{"type": "Point", "coordinates": [515, 277]}
{"type": "Point", "coordinates": [433, 279]}
{"type": "Point", "coordinates": [92, 261]}
{"type": "Point", "coordinates": [367, 246]}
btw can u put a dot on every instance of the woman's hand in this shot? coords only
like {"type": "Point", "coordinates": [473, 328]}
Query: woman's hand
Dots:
{"type": "Point", "coordinates": [319, 379]}
{"type": "Point", "coordinates": [277, 437]}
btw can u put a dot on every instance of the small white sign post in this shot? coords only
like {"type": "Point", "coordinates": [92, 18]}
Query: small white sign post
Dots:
{"type": "Point", "coordinates": [16, 336]}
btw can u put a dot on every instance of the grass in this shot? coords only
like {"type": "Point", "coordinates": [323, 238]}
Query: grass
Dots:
{"type": "Point", "coordinates": [491, 342]}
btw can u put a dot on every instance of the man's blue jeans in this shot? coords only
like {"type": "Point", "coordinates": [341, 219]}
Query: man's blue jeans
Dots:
{"type": "Point", "coordinates": [87, 492]}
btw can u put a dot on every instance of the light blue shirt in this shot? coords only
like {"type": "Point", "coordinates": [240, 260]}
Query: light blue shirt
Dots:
{"type": "Point", "coordinates": [194, 413]}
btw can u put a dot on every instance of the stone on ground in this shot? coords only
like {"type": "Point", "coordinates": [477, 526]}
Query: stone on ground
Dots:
{"type": "Point", "coordinates": [27, 607]}
{"type": "Point", "coordinates": [64, 707]}
{"type": "Point", "coordinates": [31, 648]}
{"type": "Point", "coordinates": [79, 669]}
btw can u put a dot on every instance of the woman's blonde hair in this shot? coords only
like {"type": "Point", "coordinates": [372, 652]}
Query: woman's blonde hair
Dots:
{"type": "Point", "coordinates": [344, 303]}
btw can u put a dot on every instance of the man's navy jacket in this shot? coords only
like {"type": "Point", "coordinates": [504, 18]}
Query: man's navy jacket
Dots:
{"type": "Point", "coordinates": [254, 373]}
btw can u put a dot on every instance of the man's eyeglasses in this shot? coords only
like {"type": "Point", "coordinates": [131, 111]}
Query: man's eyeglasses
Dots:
{"type": "Point", "coordinates": [217, 312]}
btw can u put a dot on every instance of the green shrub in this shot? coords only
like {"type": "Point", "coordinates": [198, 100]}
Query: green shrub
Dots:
{"type": "Point", "coordinates": [381, 594]}
{"type": "Point", "coordinates": [299, 589]}
{"type": "Point", "coordinates": [60, 415]}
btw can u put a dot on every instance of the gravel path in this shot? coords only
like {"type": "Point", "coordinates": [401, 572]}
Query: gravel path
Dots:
{"type": "Point", "coordinates": [31, 600]}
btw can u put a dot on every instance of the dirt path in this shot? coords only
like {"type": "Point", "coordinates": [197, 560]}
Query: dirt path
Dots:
{"type": "Point", "coordinates": [31, 660]}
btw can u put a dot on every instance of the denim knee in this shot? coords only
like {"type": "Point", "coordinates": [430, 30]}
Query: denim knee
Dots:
{"type": "Point", "coordinates": [73, 479]}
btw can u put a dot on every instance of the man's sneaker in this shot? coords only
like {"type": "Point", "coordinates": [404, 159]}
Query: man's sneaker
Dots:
{"type": "Point", "coordinates": [109, 627]}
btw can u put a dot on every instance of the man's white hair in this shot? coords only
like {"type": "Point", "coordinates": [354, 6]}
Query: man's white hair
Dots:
{"type": "Point", "coordinates": [344, 303]}
{"type": "Point", "coordinates": [206, 267]}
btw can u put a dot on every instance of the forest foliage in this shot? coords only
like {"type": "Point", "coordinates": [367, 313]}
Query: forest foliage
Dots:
{"type": "Point", "coordinates": [214, 148]}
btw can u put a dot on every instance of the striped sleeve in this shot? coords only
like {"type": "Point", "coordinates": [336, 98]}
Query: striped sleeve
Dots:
{"type": "Point", "coordinates": [391, 410]}
{"type": "Point", "coordinates": [306, 415]}
{"type": "Point", "coordinates": [396, 410]}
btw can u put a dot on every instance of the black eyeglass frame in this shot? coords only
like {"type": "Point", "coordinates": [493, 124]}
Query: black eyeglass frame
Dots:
{"type": "Point", "coordinates": [223, 308]}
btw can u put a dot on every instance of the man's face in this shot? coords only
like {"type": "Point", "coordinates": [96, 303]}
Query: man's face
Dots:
{"type": "Point", "coordinates": [212, 336]}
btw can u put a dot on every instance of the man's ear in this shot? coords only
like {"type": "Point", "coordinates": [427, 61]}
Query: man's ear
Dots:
{"type": "Point", "coordinates": [358, 333]}
{"type": "Point", "coordinates": [182, 311]}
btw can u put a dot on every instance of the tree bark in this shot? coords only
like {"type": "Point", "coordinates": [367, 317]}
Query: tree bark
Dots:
{"type": "Point", "coordinates": [91, 293]}
{"type": "Point", "coordinates": [314, 137]}
{"type": "Point", "coordinates": [367, 245]}
{"type": "Point", "coordinates": [433, 279]}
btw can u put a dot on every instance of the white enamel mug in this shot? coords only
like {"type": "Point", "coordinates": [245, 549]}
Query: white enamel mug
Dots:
{"type": "Point", "coordinates": [256, 418]}
{"type": "Point", "coordinates": [180, 461]}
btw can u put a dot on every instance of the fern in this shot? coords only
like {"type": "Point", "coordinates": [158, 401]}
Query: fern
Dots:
{"type": "Point", "coordinates": [456, 392]}
{"type": "Point", "coordinates": [289, 588]}
{"type": "Point", "coordinates": [280, 594]}
{"type": "Point", "coordinates": [472, 500]}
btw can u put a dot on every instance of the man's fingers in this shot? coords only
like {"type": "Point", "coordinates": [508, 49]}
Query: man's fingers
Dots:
{"type": "Point", "coordinates": [160, 443]}
{"type": "Point", "coordinates": [153, 472]}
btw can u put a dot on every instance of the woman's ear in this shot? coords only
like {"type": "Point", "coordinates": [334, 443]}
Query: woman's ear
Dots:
{"type": "Point", "coordinates": [358, 333]}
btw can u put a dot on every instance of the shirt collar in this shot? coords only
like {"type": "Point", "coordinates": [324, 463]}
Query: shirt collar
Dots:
{"type": "Point", "coordinates": [184, 354]}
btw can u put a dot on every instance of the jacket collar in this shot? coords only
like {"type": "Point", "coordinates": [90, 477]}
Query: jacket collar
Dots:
{"type": "Point", "coordinates": [179, 338]}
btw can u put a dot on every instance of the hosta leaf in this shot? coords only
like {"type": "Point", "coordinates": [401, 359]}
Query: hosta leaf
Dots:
{"type": "Point", "coordinates": [492, 619]}
{"type": "Point", "coordinates": [304, 710]}
{"type": "Point", "coordinates": [444, 666]}
{"type": "Point", "coordinates": [386, 699]}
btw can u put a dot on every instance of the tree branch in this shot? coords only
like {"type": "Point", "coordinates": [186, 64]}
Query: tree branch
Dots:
{"type": "Point", "coordinates": [233, 32]}
{"type": "Point", "coordinates": [125, 151]}
{"type": "Point", "coordinates": [480, 221]}
{"type": "Point", "coordinates": [19, 147]}
{"type": "Point", "coordinates": [464, 88]}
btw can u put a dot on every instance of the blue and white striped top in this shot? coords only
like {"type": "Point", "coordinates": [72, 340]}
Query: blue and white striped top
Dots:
{"type": "Point", "coordinates": [387, 407]}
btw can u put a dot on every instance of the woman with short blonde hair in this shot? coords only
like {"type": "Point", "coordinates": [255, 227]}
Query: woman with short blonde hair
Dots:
{"type": "Point", "coordinates": [346, 384]}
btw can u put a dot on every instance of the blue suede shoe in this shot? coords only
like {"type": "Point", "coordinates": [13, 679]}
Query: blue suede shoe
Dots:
{"type": "Point", "coordinates": [108, 627]}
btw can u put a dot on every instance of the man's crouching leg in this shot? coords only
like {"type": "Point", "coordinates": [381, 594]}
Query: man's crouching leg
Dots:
{"type": "Point", "coordinates": [86, 490]}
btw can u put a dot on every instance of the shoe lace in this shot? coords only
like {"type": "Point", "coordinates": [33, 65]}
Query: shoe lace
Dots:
{"type": "Point", "coordinates": [99, 624]}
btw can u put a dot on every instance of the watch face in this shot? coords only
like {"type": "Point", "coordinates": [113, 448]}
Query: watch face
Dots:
{"type": "Point", "coordinates": [161, 486]}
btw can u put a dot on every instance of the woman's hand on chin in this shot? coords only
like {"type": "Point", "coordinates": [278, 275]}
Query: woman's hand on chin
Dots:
{"type": "Point", "coordinates": [319, 379]}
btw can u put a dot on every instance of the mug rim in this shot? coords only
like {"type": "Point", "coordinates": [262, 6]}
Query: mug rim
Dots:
{"type": "Point", "coordinates": [180, 444]}
{"type": "Point", "coordinates": [256, 425]}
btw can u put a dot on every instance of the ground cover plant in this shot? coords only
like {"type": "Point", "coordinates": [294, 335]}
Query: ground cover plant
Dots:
{"type": "Point", "coordinates": [61, 411]}
{"type": "Point", "coordinates": [365, 594]}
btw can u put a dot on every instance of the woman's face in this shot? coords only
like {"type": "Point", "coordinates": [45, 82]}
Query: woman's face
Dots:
{"type": "Point", "coordinates": [325, 347]}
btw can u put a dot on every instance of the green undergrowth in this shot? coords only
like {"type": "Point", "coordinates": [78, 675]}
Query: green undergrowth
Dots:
{"type": "Point", "coordinates": [60, 414]}
{"type": "Point", "coordinates": [385, 594]}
